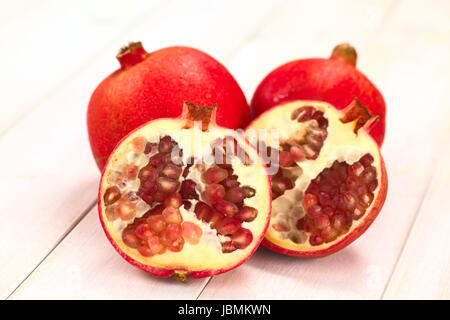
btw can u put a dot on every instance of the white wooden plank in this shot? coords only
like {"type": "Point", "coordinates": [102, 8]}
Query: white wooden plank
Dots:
{"type": "Point", "coordinates": [399, 62]}
{"type": "Point", "coordinates": [423, 271]}
{"type": "Point", "coordinates": [45, 42]}
{"type": "Point", "coordinates": [49, 160]}
{"type": "Point", "coordinates": [85, 266]}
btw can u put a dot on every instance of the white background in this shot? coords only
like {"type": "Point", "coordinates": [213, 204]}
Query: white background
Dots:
{"type": "Point", "coordinates": [54, 53]}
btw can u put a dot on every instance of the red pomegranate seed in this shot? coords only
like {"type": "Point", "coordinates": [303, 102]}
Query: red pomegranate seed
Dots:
{"type": "Point", "coordinates": [157, 210]}
{"type": "Point", "coordinates": [314, 211]}
{"type": "Point", "coordinates": [139, 144]}
{"type": "Point", "coordinates": [215, 218]}
{"type": "Point", "coordinates": [228, 247]}
{"type": "Point", "coordinates": [281, 184]}
{"type": "Point", "coordinates": [249, 192]}
{"type": "Point", "coordinates": [351, 182]}
{"type": "Point", "coordinates": [165, 144]}
{"type": "Point", "coordinates": [280, 227]}
{"type": "Point", "coordinates": [156, 223]}
{"type": "Point", "coordinates": [300, 223]}
{"type": "Point", "coordinates": [174, 200]}
{"type": "Point", "coordinates": [228, 225]}
{"type": "Point", "coordinates": [159, 196]}
{"type": "Point", "coordinates": [286, 159]}
{"type": "Point", "coordinates": [191, 232]}
{"type": "Point", "coordinates": [235, 195]}
{"type": "Point", "coordinates": [230, 182]}
{"type": "Point", "coordinates": [297, 153]}
{"type": "Point", "coordinates": [369, 174]}
{"type": "Point", "coordinates": [242, 238]}
{"type": "Point", "coordinates": [171, 171]}
{"type": "Point", "coordinates": [172, 215]}
{"type": "Point", "coordinates": [309, 200]}
{"type": "Point", "coordinates": [111, 215]}
{"type": "Point", "coordinates": [358, 212]}
{"type": "Point", "coordinates": [247, 214]}
{"type": "Point", "coordinates": [321, 221]}
{"type": "Point", "coordinates": [226, 207]}
{"type": "Point", "coordinates": [350, 201]}
{"type": "Point", "coordinates": [355, 169]}
{"type": "Point", "coordinates": [340, 222]}
{"type": "Point", "coordinates": [371, 187]}
{"type": "Point", "coordinates": [214, 175]}
{"type": "Point", "coordinates": [125, 209]}
{"type": "Point", "coordinates": [176, 245]}
{"type": "Point", "coordinates": [167, 185]}
{"type": "Point", "coordinates": [187, 190]}
{"type": "Point", "coordinates": [129, 238]}
{"type": "Point", "coordinates": [149, 147]}
{"type": "Point", "coordinates": [112, 194]}
{"type": "Point", "coordinates": [148, 186]}
{"type": "Point", "coordinates": [314, 142]}
{"type": "Point", "coordinates": [173, 231]}
{"type": "Point", "coordinates": [324, 198]}
{"type": "Point", "coordinates": [130, 171]}
{"type": "Point", "coordinates": [315, 240]}
{"type": "Point", "coordinates": [155, 245]}
{"type": "Point", "coordinates": [156, 161]}
{"type": "Point", "coordinates": [313, 188]}
{"type": "Point", "coordinates": [203, 211]}
{"type": "Point", "coordinates": [143, 231]}
{"type": "Point", "coordinates": [214, 192]}
{"type": "Point", "coordinates": [144, 250]}
{"type": "Point", "coordinates": [309, 225]}
{"type": "Point", "coordinates": [187, 204]}
{"type": "Point", "coordinates": [148, 173]}
{"type": "Point", "coordinates": [328, 234]}
{"type": "Point", "coordinates": [328, 211]}
{"type": "Point", "coordinates": [366, 160]}
{"type": "Point", "coordinates": [366, 200]}
{"type": "Point", "coordinates": [305, 113]}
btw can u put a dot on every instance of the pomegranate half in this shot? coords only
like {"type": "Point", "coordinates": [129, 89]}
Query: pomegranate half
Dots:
{"type": "Point", "coordinates": [184, 196]}
{"type": "Point", "coordinates": [328, 177]}
{"type": "Point", "coordinates": [154, 85]}
{"type": "Point", "coordinates": [334, 80]}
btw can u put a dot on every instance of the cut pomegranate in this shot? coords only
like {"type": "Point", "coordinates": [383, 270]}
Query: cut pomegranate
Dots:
{"type": "Point", "coordinates": [330, 182]}
{"type": "Point", "coordinates": [173, 202]}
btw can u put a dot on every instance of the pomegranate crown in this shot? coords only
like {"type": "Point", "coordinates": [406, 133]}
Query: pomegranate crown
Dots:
{"type": "Point", "coordinates": [131, 54]}
{"type": "Point", "coordinates": [360, 115]}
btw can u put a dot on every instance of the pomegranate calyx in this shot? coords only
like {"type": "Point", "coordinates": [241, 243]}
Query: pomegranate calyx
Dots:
{"type": "Point", "coordinates": [345, 52]}
{"type": "Point", "coordinates": [131, 54]}
{"type": "Point", "coordinates": [193, 113]}
{"type": "Point", "coordinates": [359, 114]}
{"type": "Point", "coordinates": [181, 276]}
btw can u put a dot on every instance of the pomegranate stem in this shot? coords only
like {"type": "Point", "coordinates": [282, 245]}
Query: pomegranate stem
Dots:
{"type": "Point", "coordinates": [345, 52]}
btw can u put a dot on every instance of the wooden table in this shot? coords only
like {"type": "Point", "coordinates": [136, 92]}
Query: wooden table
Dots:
{"type": "Point", "coordinates": [54, 55]}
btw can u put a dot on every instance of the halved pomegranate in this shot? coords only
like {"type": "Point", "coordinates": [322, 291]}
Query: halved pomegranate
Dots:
{"type": "Point", "coordinates": [185, 196]}
{"type": "Point", "coordinates": [328, 178]}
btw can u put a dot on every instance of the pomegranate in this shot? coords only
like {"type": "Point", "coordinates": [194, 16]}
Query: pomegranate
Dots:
{"type": "Point", "coordinates": [335, 80]}
{"type": "Point", "coordinates": [184, 196]}
{"type": "Point", "coordinates": [328, 177]}
{"type": "Point", "coordinates": [154, 85]}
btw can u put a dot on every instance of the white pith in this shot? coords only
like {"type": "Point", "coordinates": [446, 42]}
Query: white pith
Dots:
{"type": "Point", "coordinates": [207, 254]}
{"type": "Point", "coordinates": [341, 144]}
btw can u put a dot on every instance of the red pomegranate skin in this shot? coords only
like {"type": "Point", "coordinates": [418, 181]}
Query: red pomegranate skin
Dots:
{"type": "Point", "coordinates": [155, 85]}
{"type": "Point", "coordinates": [331, 80]}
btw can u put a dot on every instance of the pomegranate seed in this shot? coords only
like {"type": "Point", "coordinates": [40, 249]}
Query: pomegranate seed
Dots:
{"type": "Point", "coordinates": [149, 147]}
{"type": "Point", "coordinates": [228, 225]}
{"type": "Point", "coordinates": [176, 245]}
{"type": "Point", "coordinates": [215, 218]}
{"type": "Point", "coordinates": [281, 184]}
{"type": "Point", "coordinates": [228, 247]}
{"type": "Point", "coordinates": [242, 238]}
{"type": "Point", "coordinates": [171, 171]}
{"type": "Point", "coordinates": [309, 200]}
{"type": "Point", "coordinates": [355, 169]}
{"type": "Point", "coordinates": [313, 188]}
{"type": "Point", "coordinates": [340, 222]}
{"type": "Point", "coordinates": [328, 211]}
{"type": "Point", "coordinates": [328, 234]}
{"type": "Point", "coordinates": [324, 198]}
{"type": "Point", "coordinates": [173, 231]}
{"type": "Point", "coordinates": [358, 212]}
{"type": "Point", "coordinates": [286, 159]}
{"type": "Point", "coordinates": [148, 186]}
{"type": "Point", "coordinates": [305, 113]}
{"type": "Point", "coordinates": [351, 182]}
{"type": "Point", "coordinates": [230, 182]}
{"type": "Point", "coordinates": [366, 200]}
{"type": "Point", "coordinates": [279, 227]}
{"type": "Point", "coordinates": [144, 250]}
{"type": "Point", "coordinates": [157, 210]}
{"type": "Point", "coordinates": [247, 214]}
{"type": "Point", "coordinates": [111, 195]}
{"type": "Point", "coordinates": [156, 223]}
{"type": "Point", "coordinates": [315, 240]}
{"type": "Point", "coordinates": [349, 201]}
{"type": "Point", "coordinates": [249, 192]}
{"type": "Point", "coordinates": [314, 211]}
{"type": "Point", "coordinates": [125, 209]}
{"type": "Point", "coordinates": [159, 196]}
{"type": "Point", "coordinates": [130, 171]}
{"type": "Point", "coordinates": [172, 215]}
{"type": "Point", "coordinates": [297, 153]}
{"type": "Point", "coordinates": [139, 144]}
{"type": "Point", "coordinates": [369, 174]}
{"type": "Point", "coordinates": [214, 192]}
{"type": "Point", "coordinates": [321, 221]}
{"type": "Point", "coordinates": [174, 200]}
{"type": "Point", "coordinates": [156, 161]}
{"type": "Point", "coordinates": [226, 207]}
{"type": "Point", "coordinates": [203, 211]}
{"type": "Point", "coordinates": [167, 185]}
{"type": "Point", "coordinates": [111, 215]}
{"type": "Point", "coordinates": [235, 195]}
{"type": "Point", "coordinates": [366, 160]}
{"type": "Point", "coordinates": [143, 231]}
{"type": "Point", "coordinates": [295, 114]}
{"type": "Point", "coordinates": [309, 225]}
{"type": "Point", "coordinates": [214, 175]}
{"type": "Point", "coordinates": [191, 232]}
{"type": "Point", "coordinates": [371, 187]}
{"type": "Point", "coordinates": [187, 204]}
{"type": "Point", "coordinates": [165, 144]}
{"type": "Point", "coordinates": [313, 142]}
{"type": "Point", "coordinates": [148, 173]}
{"type": "Point", "coordinates": [129, 238]}
{"type": "Point", "coordinates": [187, 190]}
{"type": "Point", "coordinates": [155, 245]}
{"type": "Point", "coordinates": [300, 223]}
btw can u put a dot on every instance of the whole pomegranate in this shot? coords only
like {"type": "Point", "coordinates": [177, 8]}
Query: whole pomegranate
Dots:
{"type": "Point", "coordinates": [184, 196]}
{"type": "Point", "coordinates": [328, 177]}
{"type": "Point", "coordinates": [335, 80]}
{"type": "Point", "coordinates": [154, 85]}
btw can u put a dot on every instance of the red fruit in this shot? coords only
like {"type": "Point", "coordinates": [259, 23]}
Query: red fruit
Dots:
{"type": "Point", "coordinates": [326, 201]}
{"type": "Point", "coordinates": [335, 80]}
{"type": "Point", "coordinates": [160, 229]}
{"type": "Point", "coordinates": [154, 85]}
